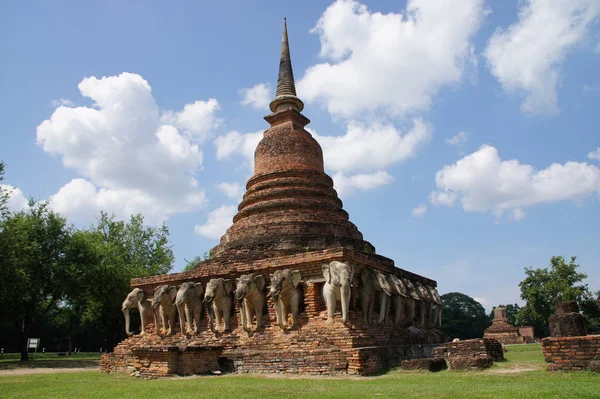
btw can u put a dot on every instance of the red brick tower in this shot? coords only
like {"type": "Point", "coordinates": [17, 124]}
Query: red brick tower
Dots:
{"type": "Point", "coordinates": [290, 205]}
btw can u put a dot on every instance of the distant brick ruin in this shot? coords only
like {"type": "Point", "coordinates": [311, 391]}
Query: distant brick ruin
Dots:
{"type": "Point", "coordinates": [569, 348]}
{"type": "Point", "coordinates": [352, 311]}
{"type": "Point", "coordinates": [503, 331]}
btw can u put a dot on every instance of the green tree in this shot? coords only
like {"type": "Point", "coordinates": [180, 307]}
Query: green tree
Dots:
{"type": "Point", "coordinates": [33, 261]}
{"type": "Point", "coordinates": [511, 313]}
{"type": "Point", "coordinates": [542, 289]}
{"type": "Point", "coordinates": [463, 317]}
{"type": "Point", "coordinates": [107, 256]}
{"type": "Point", "coordinates": [4, 194]}
{"type": "Point", "coordinates": [191, 264]}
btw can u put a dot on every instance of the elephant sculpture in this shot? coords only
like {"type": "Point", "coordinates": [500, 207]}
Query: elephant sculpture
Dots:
{"type": "Point", "coordinates": [286, 295]}
{"type": "Point", "coordinates": [399, 298]}
{"type": "Point", "coordinates": [164, 298]}
{"type": "Point", "coordinates": [437, 312]}
{"type": "Point", "coordinates": [411, 301]}
{"type": "Point", "coordinates": [338, 280]}
{"type": "Point", "coordinates": [425, 309]}
{"type": "Point", "coordinates": [189, 306]}
{"type": "Point", "coordinates": [374, 282]}
{"type": "Point", "coordinates": [137, 299]}
{"type": "Point", "coordinates": [219, 301]}
{"type": "Point", "coordinates": [251, 298]}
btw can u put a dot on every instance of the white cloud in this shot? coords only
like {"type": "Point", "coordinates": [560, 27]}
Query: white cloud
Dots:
{"type": "Point", "coordinates": [197, 120]}
{"type": "Point", "coordinates": [258, 96]}
{"type": "Point", "coordinates": [392, 62]}
{"type": "Point", "coordinates": [594, 154]}
{"type": "Point", "coordinates": [457, 140]}
{"type": "Point", "coordinates": [235, 143]}
{"type": "Point", "coordinates": [218, 221]}
{"type": "Point", "coordinates": [372, 147]}
{"type": "Point", "coordinates": [232, 190]}
{"type": "Point", "coordinates": [482, 182]}
{"type": "Point", "coordinates": [16, 200]}
{"type": "Point", "coordinates": [131, 161]}
{"type": "Point", "coordinates": [346, 185]}
{"type": "Point", "coordinates": [62, 102]}
{"type": "Point", "coordinates": [527, 56]}
{"type": "Point", "coordinates": [420, 210]}
{"type": "Point", "coordinates": [484, 302]}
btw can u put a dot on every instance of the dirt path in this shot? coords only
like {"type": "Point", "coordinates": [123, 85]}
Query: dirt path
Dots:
{"type": "Point", "coordinates": [47, 367]}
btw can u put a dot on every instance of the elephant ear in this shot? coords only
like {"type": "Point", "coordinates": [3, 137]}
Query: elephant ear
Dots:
{"type": "Point", "coordinates": [227, 287]}
{"type": "Point", "coordinates": [351, 266]}
{"type": "Point", "coordinates": [140, 295]}
{"type": "Point", "coordinates": [295, 277]}
{"type": "Point", "coordinates": [365, 276]}
{"type": "Point", "coordinates": [172, 292]}
{"type": "Point", "coordinates": [199, 289]}
{"type": "Point", "coordinates": [260, 282]}
{"type": "Point", "coordinates": [326, 272]}
{"type": "Point", "coordinates": [385, 285]}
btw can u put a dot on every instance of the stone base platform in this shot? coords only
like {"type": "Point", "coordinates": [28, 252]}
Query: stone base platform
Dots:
{"type": "Point", "coordinates": [312, 347]}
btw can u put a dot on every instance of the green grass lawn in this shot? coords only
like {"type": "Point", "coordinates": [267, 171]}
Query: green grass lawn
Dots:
{"type": "Point", "coordinates": [14, 357]}
{"type": "Point", "coordinates": [504, 380]}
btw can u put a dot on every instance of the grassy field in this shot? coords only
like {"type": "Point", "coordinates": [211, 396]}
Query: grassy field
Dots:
{"type": "Point", "coordinates": [522, 376]}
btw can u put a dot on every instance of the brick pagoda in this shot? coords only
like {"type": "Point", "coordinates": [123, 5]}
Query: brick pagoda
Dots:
{"type": "Point", "coordinates": [290, 218]}
{"type": "Point", "coordinates": [502, 330]}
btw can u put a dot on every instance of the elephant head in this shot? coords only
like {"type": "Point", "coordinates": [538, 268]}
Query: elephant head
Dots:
{"type": "Point", "coordinates": [338, 274]}
{"type": "Point", "coordinates": [437, 313]}
{"type": "Point", "coordinates": [189, 303]}
{"type": "Point", "coordinates": [248, 283]}
{"type": "Point", "coordinates": [413, 292]}
{"type": "Point", "coordinates": [217, 288]}
{"type": "Point", "coordinates": [398, 285]}
{"type": "Point", "coordinates": [284, 280]}
{"type": "Point", "coordinates": [164, 296]}
{"type": "Point", "coordinates": [136, 299]}
{"type": "Point", "coordinates": [338, 280]}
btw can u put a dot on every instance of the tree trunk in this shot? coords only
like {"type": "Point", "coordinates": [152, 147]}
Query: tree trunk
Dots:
{"type": "Point", "coordinates": [24, 348]}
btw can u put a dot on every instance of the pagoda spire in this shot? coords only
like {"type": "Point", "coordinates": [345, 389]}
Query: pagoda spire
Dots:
{"type": "Point", "coordinates": [285, 95]}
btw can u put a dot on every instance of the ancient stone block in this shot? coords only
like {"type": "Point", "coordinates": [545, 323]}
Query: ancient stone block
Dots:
{"type": "Point", "coordinates": [567, 321]}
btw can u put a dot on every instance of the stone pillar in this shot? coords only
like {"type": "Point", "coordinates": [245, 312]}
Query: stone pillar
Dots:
{"type": "Point", "coordinates": [567, 321]}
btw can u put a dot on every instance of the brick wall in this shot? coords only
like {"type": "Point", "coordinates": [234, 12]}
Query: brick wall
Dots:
{"type": "Point", "coordinates": [570, 353]}
{"type": "Point", "coordinates": [470, 354]}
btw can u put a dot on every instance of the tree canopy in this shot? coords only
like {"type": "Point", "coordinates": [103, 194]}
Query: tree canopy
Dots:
{"type": "Point", "coordinates": [463, 317]}
{"type": "Point", "coordinates": [542, 289]}
{"type": "Point", "coordinates": [72, 282]}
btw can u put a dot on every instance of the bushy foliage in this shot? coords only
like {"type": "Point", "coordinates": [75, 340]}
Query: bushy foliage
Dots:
{"type": "Point", "coordinates": [463, 317]}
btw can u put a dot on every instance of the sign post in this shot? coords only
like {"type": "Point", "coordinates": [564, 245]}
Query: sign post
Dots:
{"type": "Point", "coordinates": [33, 343]}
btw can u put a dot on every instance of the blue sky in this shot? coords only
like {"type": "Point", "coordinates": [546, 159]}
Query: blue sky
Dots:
{"type": "Point", "coordinates": [462, 136]}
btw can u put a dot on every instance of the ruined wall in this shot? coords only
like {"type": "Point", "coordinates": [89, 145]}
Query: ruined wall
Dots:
{"type": "Point", "coordinates": [470, 354]}
{"type": "Point", "coordinates": [571, 353]}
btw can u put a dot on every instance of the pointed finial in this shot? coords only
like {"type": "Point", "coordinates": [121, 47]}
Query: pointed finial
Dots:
{"type": "Point", "coordinates": [285, 95]}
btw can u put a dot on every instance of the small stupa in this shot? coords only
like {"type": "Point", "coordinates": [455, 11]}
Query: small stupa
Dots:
{"type": "Point", "coordinates": [502, 330]}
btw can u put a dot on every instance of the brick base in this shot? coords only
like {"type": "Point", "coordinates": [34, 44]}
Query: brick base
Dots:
{"type": "Point", "coordinates": [470, 354]}
{"type": "Point", "coordinates": [571, 353]}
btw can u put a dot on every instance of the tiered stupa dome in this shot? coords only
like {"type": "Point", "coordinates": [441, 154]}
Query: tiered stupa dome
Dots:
{"type": "Point", "coordinates": [290, 205]}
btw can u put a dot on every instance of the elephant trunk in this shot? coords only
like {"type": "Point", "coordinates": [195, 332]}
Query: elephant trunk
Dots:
{"type": "Point", "coordinates": [181, 311]}
{"type": "Point", "coordinates": [156, 318]}
{"type": "Point", "coordinates": [345, 298]}
{"type": "Point", "coordinates": [127, 320]}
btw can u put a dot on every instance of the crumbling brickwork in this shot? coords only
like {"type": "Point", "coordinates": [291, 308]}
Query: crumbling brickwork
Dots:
{"type": "Point", "coordinates": [571, 353]}
{"type": "Point", "coordinates": [470, 354]}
